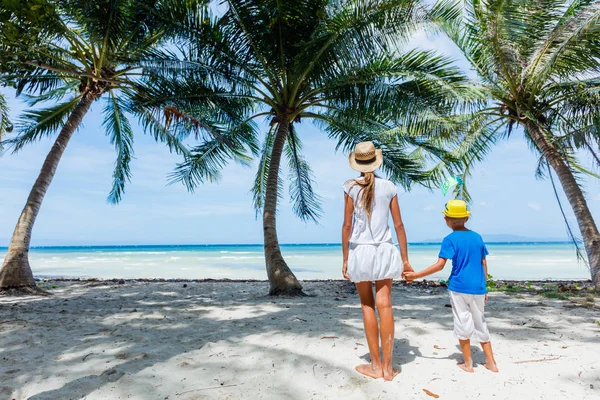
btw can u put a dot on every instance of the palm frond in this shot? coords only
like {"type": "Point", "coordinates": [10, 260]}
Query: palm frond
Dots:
{"type": "Point", "coordinates": [459, 20]}
{"type": "Point", "coordinates": [205, 161]}
{"type": "Point", "coordinates": [400, 166]}
{"type": "Point", "coordinates": [183, 21]}
{"type": "Point", "coordinates": [5, 124]}
{"type": "Point", "coordinates": [397, 89]}
{"type": "Point", "coordinates": [353, 31]}
{"type": "Point", "coordinates": [55, 94]}
{"type": "Point", "coordinates": [35, 124]}
{"type": "Point", "coordinates": [461, 191]}
{"type": "Point", "coordinates": [572, 46]}
{"type": "Point", "coordinates": [259, 188]}
{"type": "Point", "coordinates": [306, 203]}
{"type": "Point", "coordinates": [118, 129]}
{"type": "Point", "coordinates": [574, 239]}
{"type": "Point", "coordinates": [187, 101]}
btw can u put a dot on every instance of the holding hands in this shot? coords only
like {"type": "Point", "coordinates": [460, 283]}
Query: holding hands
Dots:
{"type": "Point", "coordinates": [410, 276]}
{"type": "Point", "coordinates": [407, 269]}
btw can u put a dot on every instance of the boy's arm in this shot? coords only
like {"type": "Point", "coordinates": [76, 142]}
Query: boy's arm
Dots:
{"type": "Point", "coordinates": [484, 261]}
{"type": "Point", "coordinates": [437, 267]}
{"type": "Point", "coordinates": [485, 268]}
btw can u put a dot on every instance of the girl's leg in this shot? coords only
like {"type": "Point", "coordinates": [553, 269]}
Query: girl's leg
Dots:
{"type": "Point", "coordinates": [365, 291]}
{"type": "Point", "coordinates": [383, 299]}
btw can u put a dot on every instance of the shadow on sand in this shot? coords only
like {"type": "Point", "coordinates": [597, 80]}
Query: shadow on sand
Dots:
{"type": "Point", "coordinates": [89, 336]}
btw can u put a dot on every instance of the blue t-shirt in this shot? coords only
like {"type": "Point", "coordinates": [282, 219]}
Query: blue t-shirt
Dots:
{"type": "Point", "coordinates": [467, 251]}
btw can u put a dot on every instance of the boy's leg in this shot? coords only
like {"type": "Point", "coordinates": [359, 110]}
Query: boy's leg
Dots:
{"type": "Point", "coordinates": [383, 300]}
{"type": "Point", "coordinates": [365, 291]}
{"type": "Point", "coordinates": [463, 327]}
{"type": "Point", "coordinates": [490, 363]}
{"type": "Point", "coordinates": [465, 347]}
{"type": "Point", "coordinates": [481, 331]}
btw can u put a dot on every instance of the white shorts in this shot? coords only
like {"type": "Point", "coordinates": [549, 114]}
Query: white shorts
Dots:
{"type": "Point", "coordinates": [469, 321]}
{"type": "Point", "coordinates": [373, 262]}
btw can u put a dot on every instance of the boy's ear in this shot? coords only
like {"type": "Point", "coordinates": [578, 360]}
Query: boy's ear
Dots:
{"type": "Point", "coordinates": [466, 219]}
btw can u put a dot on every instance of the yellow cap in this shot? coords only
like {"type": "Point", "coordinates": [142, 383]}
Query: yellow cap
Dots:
{"type": "Point", "coordinates": [456, 209]}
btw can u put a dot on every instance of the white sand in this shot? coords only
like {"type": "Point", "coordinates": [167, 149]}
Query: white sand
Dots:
{"type": "Point", "coordinates": [229, 341]}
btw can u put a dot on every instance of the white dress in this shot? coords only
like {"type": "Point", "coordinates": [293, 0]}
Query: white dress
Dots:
{"type": "Point", "coordinates": [372, 254]}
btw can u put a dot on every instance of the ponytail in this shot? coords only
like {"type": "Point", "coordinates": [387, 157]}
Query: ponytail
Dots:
{"type": "Point", "coordinates": [367, 188]}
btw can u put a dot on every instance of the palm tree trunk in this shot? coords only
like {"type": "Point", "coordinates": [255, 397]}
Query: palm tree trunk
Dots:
{"type": "Point", "coordinates": [15, 275]}
{"type": "Point", "coordinates": [587, 226]}
{"type": "Point", "coordinates": [282, 279]}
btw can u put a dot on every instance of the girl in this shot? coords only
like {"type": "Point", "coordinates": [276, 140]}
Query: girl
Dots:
{"type": "Point", "coordinates": [370, 255]}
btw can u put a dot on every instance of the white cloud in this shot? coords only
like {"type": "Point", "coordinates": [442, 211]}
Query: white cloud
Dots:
{"type": "Point", "coordinates": [428, 208]}
{"type": "Point", "coordinates": [535, 206]}
{"type": "Point", "coordinates": [485, 204]}
{"type": "Point", "coordinates": [597, 197]}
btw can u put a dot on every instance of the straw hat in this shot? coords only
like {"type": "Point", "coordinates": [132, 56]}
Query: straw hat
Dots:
{"type": "Point", "coordinates": [365, 157]}
{"type": "Point", "coordinates": [456, 209]}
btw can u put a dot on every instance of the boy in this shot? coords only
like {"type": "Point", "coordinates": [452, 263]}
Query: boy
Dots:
{"type": "Point", "coordinates": [467, 283]}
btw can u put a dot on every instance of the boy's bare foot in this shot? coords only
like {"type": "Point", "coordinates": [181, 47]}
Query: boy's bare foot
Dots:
{"type": "Point", "coordinates": [465, 367]}
{"type": "Point", "coordinates": [491, 366]}
{"type": "Point", "coordinates": [370, 371]}
{"type": "Point", "coordinates": [390, 374]}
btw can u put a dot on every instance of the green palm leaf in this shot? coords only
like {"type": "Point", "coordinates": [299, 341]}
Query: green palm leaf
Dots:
{"type": "Point", "coordinates": [120, 133]}
{"type": "Point", "coordinates": [205, 162]}
{"type": "Point", "coordinates": [36, 124]}
{"type": "Point", "coordinates": [5, 124]}
{"type": "Point", "coordinates": [259, 188]}
{"type": "Point", "coordinates": [306, 203]}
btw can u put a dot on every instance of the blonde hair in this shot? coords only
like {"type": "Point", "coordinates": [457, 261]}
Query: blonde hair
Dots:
{"type": "Point", "coordinates": [367, 188]}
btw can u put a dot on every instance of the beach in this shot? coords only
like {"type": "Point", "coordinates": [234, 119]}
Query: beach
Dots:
{"type": "Point", "coordinates": [228, 340]}
{"type": "Point", "coordinates": [168, 164]}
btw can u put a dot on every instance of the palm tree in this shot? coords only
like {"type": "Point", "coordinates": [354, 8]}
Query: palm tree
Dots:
{"type": "Point", "coordinates": [5, 125]}
{"type": "Point", "coordinates": [20, 23]}
{"type": "Point", "coordinates": [539, 63]}
{"type": "Point", "coordinates": [91, 50]}
{"type": "Point", "coordinates": [339, 64]}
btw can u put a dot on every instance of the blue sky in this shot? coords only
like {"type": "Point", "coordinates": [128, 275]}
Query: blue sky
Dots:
{"type": "Point", "coordinates": [507, 199]}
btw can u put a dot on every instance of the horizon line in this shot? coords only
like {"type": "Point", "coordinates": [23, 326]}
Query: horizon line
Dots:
{"type": "Point", "coordinates": [424, 242]}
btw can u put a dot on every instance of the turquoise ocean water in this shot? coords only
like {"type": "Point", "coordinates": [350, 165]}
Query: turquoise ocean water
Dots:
{"type": "Point", "coordinates": [308, 261]}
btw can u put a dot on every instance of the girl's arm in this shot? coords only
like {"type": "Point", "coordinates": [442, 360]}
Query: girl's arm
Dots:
{"type": "Point", "coordinates": [400, 233]}
{"type": "Point", "coordinates": [346, 231]}
{"type": "Point", "coordinates": [437, 267]}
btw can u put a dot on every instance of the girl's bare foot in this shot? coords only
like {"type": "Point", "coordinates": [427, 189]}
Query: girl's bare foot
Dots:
{"type": "Point", "coordinates": [465, 367]}
{"type": "Point", "coordinates": [390, 374]}
{"type": "Point", "coordinates": [491, 366]}
{"type": "Point", "coordinates": [370, 370]}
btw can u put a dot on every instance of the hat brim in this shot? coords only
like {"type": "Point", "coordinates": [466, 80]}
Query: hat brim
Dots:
{"type": "Point", "coordinates": [370, 167]}
{"type": "Point", "coordinates": [459, 215]}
